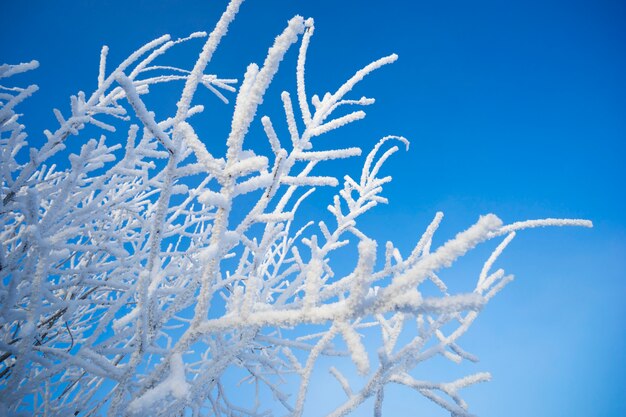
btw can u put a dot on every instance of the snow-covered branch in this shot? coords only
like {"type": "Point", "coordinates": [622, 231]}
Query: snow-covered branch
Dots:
{"type": "Point", "coordinates": [132, 283]}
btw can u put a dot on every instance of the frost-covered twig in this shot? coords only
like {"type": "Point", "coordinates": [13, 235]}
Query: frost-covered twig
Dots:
{"type": "Point", "coordinates": [132, 282]}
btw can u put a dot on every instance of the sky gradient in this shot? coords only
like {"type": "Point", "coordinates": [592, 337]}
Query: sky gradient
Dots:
{"type": "Point", "coordinates": [516, 108]}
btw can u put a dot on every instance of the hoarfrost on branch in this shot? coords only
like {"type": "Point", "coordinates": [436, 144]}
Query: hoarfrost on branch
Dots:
{"type": "Point", "coordinates": [130, 287]}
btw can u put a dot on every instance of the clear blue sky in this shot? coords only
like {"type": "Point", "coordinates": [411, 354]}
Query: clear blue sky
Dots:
{"type": "Point", "coordinates": [512, 107]}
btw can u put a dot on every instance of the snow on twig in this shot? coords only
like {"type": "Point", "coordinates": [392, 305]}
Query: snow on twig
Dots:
{"type": "Point", "coordinates": [140, 280]}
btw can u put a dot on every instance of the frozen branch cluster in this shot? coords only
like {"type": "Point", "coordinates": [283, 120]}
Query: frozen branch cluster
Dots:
{"type": "Point", "coordinates": [130, 285]}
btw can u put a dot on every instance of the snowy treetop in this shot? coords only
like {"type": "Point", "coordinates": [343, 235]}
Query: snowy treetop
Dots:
{"type": "Point", "coordinates": [129, 287]}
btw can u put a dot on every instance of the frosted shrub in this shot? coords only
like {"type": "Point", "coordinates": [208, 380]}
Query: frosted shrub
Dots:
{"type": "Point", "coordinates": [129, 287]}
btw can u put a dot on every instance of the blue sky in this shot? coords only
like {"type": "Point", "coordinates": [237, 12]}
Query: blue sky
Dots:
{"type": "Point", "coordinates": [516, 108]}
